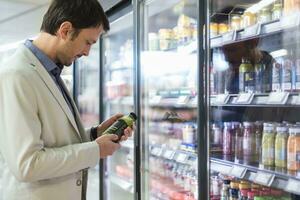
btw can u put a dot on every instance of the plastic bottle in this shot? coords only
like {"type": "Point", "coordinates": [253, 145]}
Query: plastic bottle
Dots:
{"type": "Point", "coordinates": [248, 143]}
{"type": "Point", "coordinates": [281, 147]}
{"type": "Point", "coordinates": [293, 153]}
{"type": "Point", "coordinates": [121, 124]}
{"type": "Point", "coordinates": [246, 76]}
{"type": "Point", "coordinates": [227, 138]}
{"type": "Point", "coordinates": [268, 143]}
{"type": "Point", "coordinates": [239, 135]}
{"type": "Point", "coordinates": [258, 141]}
{"type": "Point", "coordinates": [234, 191]}
{"type": "Point", "coordinates": [225, 190]}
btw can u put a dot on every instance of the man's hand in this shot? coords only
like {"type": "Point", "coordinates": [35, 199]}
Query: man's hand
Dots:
{"type": "Point", "coordinates": [107, 145]}
{"type": "Point", "coordinates": [107, 123]}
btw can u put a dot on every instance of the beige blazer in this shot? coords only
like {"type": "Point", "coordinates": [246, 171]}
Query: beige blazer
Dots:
{"type": "Point", "coordinates": [40, 140]}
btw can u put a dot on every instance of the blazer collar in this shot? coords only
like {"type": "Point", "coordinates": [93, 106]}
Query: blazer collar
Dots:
{"type": "Point", "coordinates": [33, 61]}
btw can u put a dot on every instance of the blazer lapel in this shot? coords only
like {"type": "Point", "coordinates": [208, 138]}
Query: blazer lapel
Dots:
{"type": "Point", "coordinates": [77, 115]}
{"type": "Point", "coordinates": [53, 89]}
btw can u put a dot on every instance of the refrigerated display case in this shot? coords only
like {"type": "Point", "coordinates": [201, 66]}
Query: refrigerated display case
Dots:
{"type": "Point", "coordinates": [254, 99]}
{"type": "Point", "coordinates": [86, 93]}
{"type": "Point", "coordinates": [118, 82]}
{"type": "Point", "coordinates": [169, 66]}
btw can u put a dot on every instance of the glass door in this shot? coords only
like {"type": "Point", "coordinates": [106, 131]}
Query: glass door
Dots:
{"type": "Point", "coordinates": [118, 98]}
{"type": "Point", "coordinates": [254, 99]}
{"type": "Point", "coordinates": [87, 97]}
{"type": "Point", "coordinates": [169, 100]}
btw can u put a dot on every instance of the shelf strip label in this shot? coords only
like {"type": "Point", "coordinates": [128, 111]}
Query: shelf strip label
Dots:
{"type": "Point", "coordinates": [238, 171]}
{"type": "Point", "coordinates": [264, 178]}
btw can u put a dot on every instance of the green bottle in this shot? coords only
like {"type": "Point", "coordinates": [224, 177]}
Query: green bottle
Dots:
{"type": "Point", "coordinates": [121, 124]}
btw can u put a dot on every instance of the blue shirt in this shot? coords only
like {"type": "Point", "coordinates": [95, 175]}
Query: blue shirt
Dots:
{"type": "Point", "coordinates": [53, 69]}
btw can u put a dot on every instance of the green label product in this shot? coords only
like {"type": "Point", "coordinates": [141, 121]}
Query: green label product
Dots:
{"type": "Point", "coordinates": [121, 124]}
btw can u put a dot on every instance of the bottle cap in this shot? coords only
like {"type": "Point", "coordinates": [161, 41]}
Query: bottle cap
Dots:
{"type": "Point", "coordinates": [133, 115]}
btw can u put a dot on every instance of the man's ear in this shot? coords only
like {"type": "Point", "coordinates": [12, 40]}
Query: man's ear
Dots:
{"type": "Point", "coordinates": [65, 30]}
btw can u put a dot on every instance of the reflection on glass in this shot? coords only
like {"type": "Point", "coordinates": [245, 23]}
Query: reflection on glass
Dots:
{"type": "Point", "coordinates": [88, 104]}
{"type": "Point", "coordinates": [169, 93]}
{"type": "Point", "coordinates": [254, 67]}
{"type": "Point", "coordinates": [118, 98]}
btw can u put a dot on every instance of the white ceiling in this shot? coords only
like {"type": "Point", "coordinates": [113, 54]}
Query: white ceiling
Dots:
{"type": "Point", "coordinates": [20, 19]}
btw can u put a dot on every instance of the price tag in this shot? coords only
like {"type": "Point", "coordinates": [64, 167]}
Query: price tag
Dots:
{"type": "Point", "coordinates": [264, 178]}
{"type": "Point", "coordinates": [278, 98]}
{"type": "Point", "coordinates": [252, 31]}
{"type": "Point", "coordinates": [290, 21]}
{"type": "Point", "coordinates": [182, 100]}
{"type": "Point", "coordinates": [238, 171]}
{"type": "Point", "coordinates": [221, 99]}
{"type": "Point", "coordinates": [244, 98]}
{"type": "Point", "coordinates": [229, 37]}
{"type": "Point", "coordinates": [181, 158]}
{"type": "Point", "coordinates": [169, 154]}
{"type": "Point", "coordinates": [293, 186]}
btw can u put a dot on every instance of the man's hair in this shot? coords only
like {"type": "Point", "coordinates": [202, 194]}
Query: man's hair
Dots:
{"type": "Point", "coordinates": [81, 13]}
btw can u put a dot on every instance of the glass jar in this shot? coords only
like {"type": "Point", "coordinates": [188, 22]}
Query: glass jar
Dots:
{"type": "Point", "coordinates": [248, 143]}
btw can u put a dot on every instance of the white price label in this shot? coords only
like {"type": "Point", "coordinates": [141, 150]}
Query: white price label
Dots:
{"type": "Point", "coordinates": [229, 37]}
{"type": "Point", "coordinates": [168, 154]}
{"type": "Point", "coordinates": [221, 99]}
{"type": "Point", "coordinates": [182, 100]}
{"type": "Point", "coordinates": [293, 186]}
{"type": "Point", "coordinates": [251, 31]}
{"type": "Point", "coordinates": [264, 178]}
{"type": "Point", "coordinates": [278, 98]}
{"type": "Point", "coordinates": [181, 158]}
{"type": "Point", "coordinates": [238, 171]}
{"type": "Point", "coordinates": [244, 98]}
{"type": "Point", "coordinates": [156, 100]}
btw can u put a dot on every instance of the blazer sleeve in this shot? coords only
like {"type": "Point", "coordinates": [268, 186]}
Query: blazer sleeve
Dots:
{"type": "Point", "coordinates": [20, 138]}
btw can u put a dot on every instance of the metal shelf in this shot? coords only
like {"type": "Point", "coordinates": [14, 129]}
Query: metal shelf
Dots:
{"type": "Point", "coordinates": [257, 30]}
{"type": "Point", "coordinates": [180, 156]}
{"type": "Point", "coordinates": [278, 100]}
{"type": "Point", "coordinates": [265, 177]}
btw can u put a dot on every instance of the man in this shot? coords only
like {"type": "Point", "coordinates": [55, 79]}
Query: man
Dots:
{"type": "Point", "coordinates": [46, 150]}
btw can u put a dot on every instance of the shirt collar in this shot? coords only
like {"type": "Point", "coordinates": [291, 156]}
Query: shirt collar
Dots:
{"type": "Point", "coordinates": [49, 65]}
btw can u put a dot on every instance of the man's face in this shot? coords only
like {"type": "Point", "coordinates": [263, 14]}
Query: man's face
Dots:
{"type": "Point", "coordinates": [80, 45]}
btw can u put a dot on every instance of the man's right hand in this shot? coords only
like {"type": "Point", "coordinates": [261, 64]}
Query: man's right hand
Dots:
{"type": "Point", "coordinates": [107, 145]}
